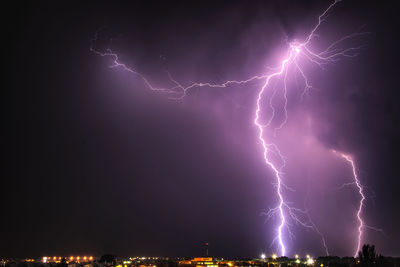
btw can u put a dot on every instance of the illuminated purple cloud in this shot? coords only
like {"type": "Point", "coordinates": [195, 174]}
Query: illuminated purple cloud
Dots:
{"type": "Point", "coordinates": [279, 80]}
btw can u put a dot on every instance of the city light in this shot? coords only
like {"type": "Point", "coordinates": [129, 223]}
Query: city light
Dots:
{"type": "Point", "coordinates": [297, 261]}
{"type": "Point", "coordinates": [263, 256]}
{"type": "Point", "coordinates": [296, 256]}
{"type": "Point", "coordinates": [310, 261]}
{"type": "Point", "coordinates": [274, 256]}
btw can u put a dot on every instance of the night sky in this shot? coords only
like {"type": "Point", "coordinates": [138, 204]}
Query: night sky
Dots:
{"type": "Point", "coordinates": [96, 163]}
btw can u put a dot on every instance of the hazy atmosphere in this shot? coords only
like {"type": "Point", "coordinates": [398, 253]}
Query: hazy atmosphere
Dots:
{"type": "Point", "coordinates": [98, 163]}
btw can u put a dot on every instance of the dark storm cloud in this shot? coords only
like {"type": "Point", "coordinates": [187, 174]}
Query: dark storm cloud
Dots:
{"type": "Point", "coordinates": [100, 165]}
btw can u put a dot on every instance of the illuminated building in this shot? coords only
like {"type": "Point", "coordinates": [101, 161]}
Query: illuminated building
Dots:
{"type": "Point", "coordinates": [206, 261]}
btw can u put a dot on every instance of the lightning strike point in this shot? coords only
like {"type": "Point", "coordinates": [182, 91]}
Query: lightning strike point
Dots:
{"type": "Point", "coordinates": [289, 66]}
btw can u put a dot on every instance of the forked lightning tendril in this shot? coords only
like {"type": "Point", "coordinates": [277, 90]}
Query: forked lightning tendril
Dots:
{"type": "Point", "coordinates": [360, 188]}
{"type": "Point", "coordinates": [292, 66]}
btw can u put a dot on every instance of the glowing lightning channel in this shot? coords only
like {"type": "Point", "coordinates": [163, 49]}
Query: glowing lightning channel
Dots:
{"type": "Point", "coordinates": [357, 182]}
{"type": "Point", "coordinates": [266, 150]}
{"type": "Point", "coordinates": [296, 51]}
{"type": "Point", "coordinates": [360, 187]}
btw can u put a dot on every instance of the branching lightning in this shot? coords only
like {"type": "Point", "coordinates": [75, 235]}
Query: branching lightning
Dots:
{"type": "Point", "coordinates": [275, 79]}
{"type": "Point", "coordinates": [360, 188]}
{"type": "Point", "coordinates": [357, 182]}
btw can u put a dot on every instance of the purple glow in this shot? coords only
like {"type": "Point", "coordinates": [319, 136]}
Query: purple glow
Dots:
{"type": "Point", "coordinates": [296, 55]}
{"type": "Point", "coordinates": [360, 190]}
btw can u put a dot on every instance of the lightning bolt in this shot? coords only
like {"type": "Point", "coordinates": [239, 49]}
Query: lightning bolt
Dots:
{"type": "Point", "coordinates": [357, 182]}
{"type": "Point", "coordinates": [277, 78]}
{"type": "Point", "coordinates": [360, 188]}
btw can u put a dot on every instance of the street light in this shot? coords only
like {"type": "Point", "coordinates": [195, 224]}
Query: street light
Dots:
{"type": "Point", "coordinates": [274, 256]}
{"type": "Point", "coordinates": [263, 256]}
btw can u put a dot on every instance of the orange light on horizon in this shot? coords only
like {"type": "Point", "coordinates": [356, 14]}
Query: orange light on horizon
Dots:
{"type": "Point", "coordinates": [90, 258]}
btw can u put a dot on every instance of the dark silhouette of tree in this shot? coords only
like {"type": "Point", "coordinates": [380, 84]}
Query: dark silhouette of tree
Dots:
{"type": "Point", "coordinates": [367, 255]}
{"type": "Point", "coordinates": [368, 258]}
